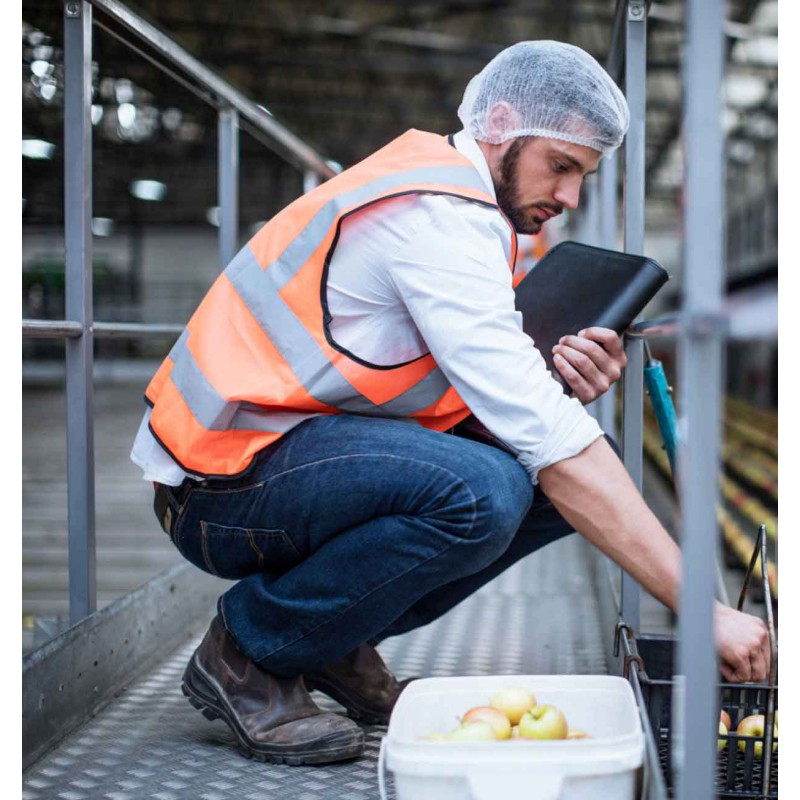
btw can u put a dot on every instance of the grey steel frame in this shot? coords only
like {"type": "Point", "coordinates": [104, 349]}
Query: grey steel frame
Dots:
{"type": "Point", "coordinates": [701, 331]}
{"type": "Point", "coordinates": [80, 329]}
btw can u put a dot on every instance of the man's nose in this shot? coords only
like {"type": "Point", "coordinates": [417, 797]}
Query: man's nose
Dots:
{"type": "Point", "coordinates": [568, 194]}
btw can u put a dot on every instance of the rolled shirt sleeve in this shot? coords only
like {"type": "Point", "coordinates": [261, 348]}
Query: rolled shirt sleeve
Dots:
{"type": "Point", "coordinates": [457, 288]}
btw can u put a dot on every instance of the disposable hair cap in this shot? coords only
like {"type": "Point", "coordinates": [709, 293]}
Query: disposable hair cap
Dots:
{"type": "Point", "coordinates": [548, 89]}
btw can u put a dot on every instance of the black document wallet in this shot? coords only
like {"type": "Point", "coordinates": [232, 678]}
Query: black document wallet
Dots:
{"type": "Point", "coordinates": [576, 286]}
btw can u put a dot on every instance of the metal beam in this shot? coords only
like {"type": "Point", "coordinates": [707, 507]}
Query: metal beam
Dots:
{"type": "Point", "coordinates": [695, 701]}
{"type": "Point", "coordinates": [228, 184]}
{"type": "Point", "coordinates": [79, 350]}
{"type": "Point", "coordinates": [633, 377]}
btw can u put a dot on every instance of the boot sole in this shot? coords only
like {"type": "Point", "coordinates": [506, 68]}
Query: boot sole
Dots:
{"type": "Point", "coordinates": [338, 747]}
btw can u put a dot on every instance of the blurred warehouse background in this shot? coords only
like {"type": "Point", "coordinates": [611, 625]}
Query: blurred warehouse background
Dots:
{"type": "Point", "coordinates": [347, 76]}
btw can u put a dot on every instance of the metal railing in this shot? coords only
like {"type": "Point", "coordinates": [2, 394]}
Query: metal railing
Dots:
{"type": "Point", "coordinates": [80, 329]}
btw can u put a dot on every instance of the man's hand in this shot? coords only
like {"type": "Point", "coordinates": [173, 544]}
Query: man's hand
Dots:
{"type": "Point", "coordinates": [590, 362]}
{"type": "Point", "coordinates": [743, 645]}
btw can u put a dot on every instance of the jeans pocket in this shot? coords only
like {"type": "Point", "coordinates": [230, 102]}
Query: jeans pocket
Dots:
{"type": "Point", "coordinates": [231, 552]}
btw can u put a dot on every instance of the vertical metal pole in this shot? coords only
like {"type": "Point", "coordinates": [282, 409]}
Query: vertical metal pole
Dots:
{"type": "Point", "coordinates": [633, 380]}
{"type": "Point", "coordinates": [79, 352]}
{"type": "Point", "coordinates": [608, 239]}
{"type": "Point", "coordinates": [228, 184]}
{"type": "Point", "coordinates": [700, 365]}
{"type": "Point", "coordinates": [310, 180]}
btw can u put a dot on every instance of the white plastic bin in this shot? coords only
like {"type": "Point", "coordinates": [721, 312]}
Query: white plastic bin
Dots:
{"type": "Point", "coordinates": [601, 768]}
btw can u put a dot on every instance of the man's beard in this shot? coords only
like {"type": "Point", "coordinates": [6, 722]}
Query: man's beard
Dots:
{"type": "Point", "coordinates": [507, 191]}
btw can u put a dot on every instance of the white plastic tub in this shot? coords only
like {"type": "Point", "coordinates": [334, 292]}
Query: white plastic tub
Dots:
{"type": "Point", "coordinates": [601, 768]}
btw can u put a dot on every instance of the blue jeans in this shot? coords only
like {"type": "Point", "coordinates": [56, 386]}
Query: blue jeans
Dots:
{"type": "Point", "coordinates": [350, 529]}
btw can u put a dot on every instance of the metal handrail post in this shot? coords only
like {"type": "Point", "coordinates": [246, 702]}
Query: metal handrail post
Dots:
{"type": "Point", "coordinates": [310, 180]}
{"type": "Point", "coordinates": [608, 238]}
{"type": "Point", "coordinates": [700, 371]}
{"type": "Point", "coordinates": [79, 350]}
{"type": "Point", "coordinates": [228, 184]}
{"type": "Point", "coordinates": [633, 378]}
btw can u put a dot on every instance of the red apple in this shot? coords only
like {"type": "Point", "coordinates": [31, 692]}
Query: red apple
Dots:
{"type": "Point", "coordinates": [725, 718]}
{"type": "Point", "coordinates": [543, 722]}
{"type": "Point", "coordinates": [576, 734]}
{"type": "Point", "coordinates": [473, 732]}
{"type": "Point", "coordinates": [513, 702]}
{"type": "Point", "coordinates": [753, 726]}
{"type": "Point", "coordinates": [723, 731]}
{"type": "Point", "coordinates": [492, 716]}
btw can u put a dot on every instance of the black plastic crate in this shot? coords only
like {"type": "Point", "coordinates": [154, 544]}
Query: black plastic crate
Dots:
{"type": "Point", "coordinates": [738, 774]}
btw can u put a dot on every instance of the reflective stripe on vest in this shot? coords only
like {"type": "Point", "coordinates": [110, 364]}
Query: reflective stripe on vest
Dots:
{"type": "Point", "coordinates": [255, 359]}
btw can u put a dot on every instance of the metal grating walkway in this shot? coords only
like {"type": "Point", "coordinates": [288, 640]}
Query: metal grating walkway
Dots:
{"type": "Point", "coordinates": [540, 617]}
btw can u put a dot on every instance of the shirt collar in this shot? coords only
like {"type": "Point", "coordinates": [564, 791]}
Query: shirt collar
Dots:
{"type": "Point", "coordinates": [468, 147]}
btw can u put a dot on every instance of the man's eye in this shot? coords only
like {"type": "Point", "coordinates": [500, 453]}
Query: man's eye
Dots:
{"type": "Point", "coordinates": [558, 167]}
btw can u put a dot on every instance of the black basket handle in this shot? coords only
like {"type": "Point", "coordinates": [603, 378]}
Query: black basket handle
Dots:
{"type": "Point", "coordinates": [761, 549]}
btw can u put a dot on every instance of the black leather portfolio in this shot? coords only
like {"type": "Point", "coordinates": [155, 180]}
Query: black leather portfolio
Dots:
{"type": "Point", "coordinates": [576, 286]}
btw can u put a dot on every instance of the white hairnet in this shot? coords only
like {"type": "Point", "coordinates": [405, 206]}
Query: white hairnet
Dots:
{"type": "Point", "coordinates": [554, 90]}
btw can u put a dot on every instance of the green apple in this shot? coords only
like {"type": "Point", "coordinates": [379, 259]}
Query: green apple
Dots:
{"type": "Point", "coordinates": [543, 722]}
{"type": "Point", "coordinates": [753, 726]}
{"type": "Point", "coordinates": [492, 716]}
{"type": "Point", "coordinates": [473, 732]}
{"type": "Point", "coordinates": [513, 702]}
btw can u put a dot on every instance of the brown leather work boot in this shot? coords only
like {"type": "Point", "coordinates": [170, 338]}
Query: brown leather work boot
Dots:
{"type": "Point", "coordinates": [274, 718]}
{"type": "Point", "coordinates": [362, 683]}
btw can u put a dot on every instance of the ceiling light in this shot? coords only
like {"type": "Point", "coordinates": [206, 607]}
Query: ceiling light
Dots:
{"type": "Point", "coordinates": [123, 91]}
{"type": "Point", "coordinates": [148, 190]}
{"type": "Point", "coordinates": [41, 68]}
{"type": "Point", "coordinates": [171, 118]}
{"type": "Point", "coordinates": [762, 51]}
{"type": "Point", "coordinates": [38, 149]}
{"type": "Point", "coordinates": [745, 91]}
{"type": "Point", "coordinates": [765, 17]}
{"type": "Point", "coordinates": [102, 226]}
{"type": "Point", "coordinates": [126, 115]}
{"type": "Point", "coordinates": [212, 215]}
{"type": "Point", "coordinates": [97, 114]}
{"type": "Point", "coordinates": [48, 89]}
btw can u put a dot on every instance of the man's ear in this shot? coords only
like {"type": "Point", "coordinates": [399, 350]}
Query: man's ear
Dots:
{"type": "Point", "coordinates": [501, 119]}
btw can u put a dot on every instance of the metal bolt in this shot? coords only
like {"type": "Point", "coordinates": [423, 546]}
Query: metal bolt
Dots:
{"type": "Point", "coordinates": [636, 9]}
{"type": "Point", "coordinates": [72, 8]}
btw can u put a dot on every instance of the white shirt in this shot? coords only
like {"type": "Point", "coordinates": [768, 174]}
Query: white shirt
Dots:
{"type": "Point", "coordinates": [429, 273]}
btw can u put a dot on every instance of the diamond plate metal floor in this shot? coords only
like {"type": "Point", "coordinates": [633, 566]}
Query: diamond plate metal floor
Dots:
{"type": "Point", "coordinates": [540, 617]}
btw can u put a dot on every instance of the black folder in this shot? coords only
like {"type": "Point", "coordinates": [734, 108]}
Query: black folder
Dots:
{"type": "Point", "coordinates": [576, 286]}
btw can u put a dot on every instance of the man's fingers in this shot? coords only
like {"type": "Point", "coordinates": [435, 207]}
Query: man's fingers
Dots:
{"type": "Point", "coordinates": [595, 356]}
{"type": "Point", "coordinates": [573, 378]}
{"type": "Point", "coordinates": [583, 364]}
{"type": "Point", "coordinates": [608, 338]}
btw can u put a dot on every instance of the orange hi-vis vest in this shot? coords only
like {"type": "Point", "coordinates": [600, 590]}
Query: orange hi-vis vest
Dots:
{"type": "Point", "coordinates": [257, 358]}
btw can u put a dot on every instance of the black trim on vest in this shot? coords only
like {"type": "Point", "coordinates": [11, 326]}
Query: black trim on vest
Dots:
{"type": "Point", "coordinates": [326, 314]}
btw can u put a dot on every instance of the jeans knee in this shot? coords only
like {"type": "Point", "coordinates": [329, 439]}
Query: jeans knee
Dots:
{"type": "Point", "coordinates": [501, 502]}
